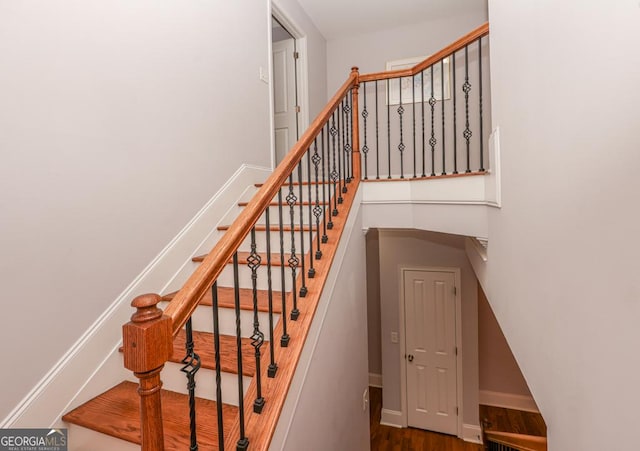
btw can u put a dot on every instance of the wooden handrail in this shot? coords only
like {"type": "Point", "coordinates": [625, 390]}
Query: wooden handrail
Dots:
{"type": "Point", "coordinates": [186, 300]}
{"type": "Point", "coordinates": [459, 44]}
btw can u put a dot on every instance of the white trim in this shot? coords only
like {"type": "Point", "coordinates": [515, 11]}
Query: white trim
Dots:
{"type": "Point", "coordinates": [472, 433]}
{"type": "Point", "coordinates": [403, 363]}
{"type": "Point", "coordinates": [508, 401]}
{"type": "Point", "coordinates": [426, 202]}
{"type": "Point", "coordinates": [392, 418]}
{"type": "Point", "coordinates": [375, 380]}
{"type": "Point", "coordinates": [64, 384]}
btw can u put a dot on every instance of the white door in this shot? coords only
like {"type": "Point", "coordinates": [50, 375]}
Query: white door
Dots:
{"type": "Point", "coordinates": [284, 97]}
{"type": "Point", "coordinates": [430, 336]}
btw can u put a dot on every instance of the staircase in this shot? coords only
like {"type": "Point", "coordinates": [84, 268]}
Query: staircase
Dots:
{"type": "Point", "coordinates": [236, 329]}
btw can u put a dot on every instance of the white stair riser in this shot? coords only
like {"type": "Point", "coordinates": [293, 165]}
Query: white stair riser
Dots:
{"type": "Point", "coordinates": [244, 277]}
{"type": "Point", "coordinates": [83, 439]}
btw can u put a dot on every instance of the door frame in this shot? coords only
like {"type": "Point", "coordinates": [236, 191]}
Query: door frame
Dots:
{"type": "Point", "coordinates": [302, 73]}
{"type": "Point", "coordinates": [403, 343]}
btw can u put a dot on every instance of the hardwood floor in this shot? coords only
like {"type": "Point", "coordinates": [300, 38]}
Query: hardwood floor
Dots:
{"type": "Point", "coordinates": [387, 438]}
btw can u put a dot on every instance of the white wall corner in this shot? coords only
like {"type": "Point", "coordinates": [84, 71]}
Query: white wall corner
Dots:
{"type": "Point", "coordinates": [472, 433]}
{"type": "Point", "coordinates": [391, 418]}
{"type": "Point", "coordinates": [375, 380]}
{"type": "Point", "coordinates": [89, 363]}
{"type": "Point", "coordinates": [508, 401]}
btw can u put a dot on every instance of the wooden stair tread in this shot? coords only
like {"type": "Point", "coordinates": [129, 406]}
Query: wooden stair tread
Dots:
{"type": "Point", "coordinates": [243, 256]}
{"type": "Point", "coordinates": [284, 204]}
{"type": "Point", "coordinates": [272, 228]}
{"type": "Point", "coordinates": [226, 299]}
{"type": "Point", "coordinates": [116, 412]}
{"type": "Point", "coordinates": [520, 441]}
{"type": "Point", "coordinates": [203, 345]}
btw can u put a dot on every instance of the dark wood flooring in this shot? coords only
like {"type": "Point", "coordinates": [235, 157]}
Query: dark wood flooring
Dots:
{"type": "Point", "coordinates": [387, 438]}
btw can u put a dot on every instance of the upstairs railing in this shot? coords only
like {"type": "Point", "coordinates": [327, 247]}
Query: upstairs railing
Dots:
{"type": "Point", "coordinates": [430, 119]}
{"type": "Point", "coordinates": [310, 192]}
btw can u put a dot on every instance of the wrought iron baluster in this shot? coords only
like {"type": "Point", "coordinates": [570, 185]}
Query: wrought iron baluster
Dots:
{"type": "Point", "coordinates": [191, 366]}
{"type": "Point", "coordinates": [401, 145]}
{"type": "Point", "coordinates": [444, 171]}
{"type": "Point", "coordinates": [346, 139]}
{"type": "Point", "coordinates": [312, 270]}
{"type": "Point", "coordinates": [377, 136]}
{"type": "Point", "coordinates": [455, 133]}
{"type": "Point", "coordinates": [388, 131]}
{"type": "Point", "coordinates": [424, 154]}
{"type": "Point", "coordinates": [432, 141]}
{"type": "Point", "coordinates": [293, 259]}
{"type": "Point", "coordinates": [480, 102]}
{"type": "Point", "coordinates": [257, 337]}
{"type": "Point", "coordinates": [216, 347]}
{"type": "Point", "coordinates": [284, 340]}
{"type": "Point", "coordinates": [334, 174]}
{"type": "Point", "coordinates": [466, 88]}
{"type": "Point", "coordinates": [317, 210]}
{"type": "Point", "coordinates": [273, 367]}
{"type": "Point", "coordinates": [340, 154]}
{"type": "Point", "coordinates": [325, 186]}
{"type": "Point", "coordinates": [413, 119]}
{"type": "Point", "coordinates": [365, 115]}
{"type": "Point", "coordinates": [303, 287]}
{"type": "Point", "coordinates": [243, 441]}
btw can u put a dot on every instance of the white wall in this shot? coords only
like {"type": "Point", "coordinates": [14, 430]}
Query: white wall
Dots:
{"type": "Point", "coordinates": [563, 251]}
{"type": "Point", "coordinates": [113, 119]}
{"type": "Point", "coordinates": [324, 408]}
{"type": "Point", "coordinates": [373, 301]}
{"type": "Point", "coordinates": [417, 248]}
{"type": "Point", "coordinates": [371, 51]}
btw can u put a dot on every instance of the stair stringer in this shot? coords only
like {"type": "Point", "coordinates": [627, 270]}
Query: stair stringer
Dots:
{"type": "Point", "coordinates": [93, 363]}
{"type": "Point", "coordinates": [333, 368]}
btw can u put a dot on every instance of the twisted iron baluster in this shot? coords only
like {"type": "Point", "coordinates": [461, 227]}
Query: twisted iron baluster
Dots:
{"type": "Point", "coordinates": [191, 366]}
{"type": "Point", "coordinates": [347, 140]}
{"type": "Point", "coordinates": [401, 145]}
{"type": "Point", "coordinates": [273, 367]}
{"type": "Point", "coordinates": [257, 337]}
{"type": "Point", "coordinates": [284, 340]}
{"type": "Point", "coordinates": [312, 271]}
{"type": "Point", "coordinates": [377, 137]}
{"type": "Point", "coordinates": [388, 131]}
{"type": "Point", "coordinates": [293, 259]}
{"type": "Point", "coordinates": [432, 141]}
{"type": "Point", "coordinates": [303, 288]}
{"type": "Point", "coordinates": [216, 346]}
{"type": "Point", "coordinates": [365, 115]}
{"type": "Point", "coordinates": [243, 441]}
{"type": "Point", "coordinates": [466, 88]}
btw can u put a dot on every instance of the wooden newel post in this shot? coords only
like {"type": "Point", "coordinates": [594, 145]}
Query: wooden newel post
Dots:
{"type": "Point", "coordinates": [147, 342]}
{"type": "Point", "coordinates": [355, 119]}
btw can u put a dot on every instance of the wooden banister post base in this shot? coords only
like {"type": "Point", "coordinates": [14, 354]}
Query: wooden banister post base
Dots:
{"type": "Point", "coordinates": [148, 344]}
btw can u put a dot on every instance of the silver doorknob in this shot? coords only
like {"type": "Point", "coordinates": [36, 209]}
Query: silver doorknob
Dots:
{"type": "Point", "coordinates": [410, 358]}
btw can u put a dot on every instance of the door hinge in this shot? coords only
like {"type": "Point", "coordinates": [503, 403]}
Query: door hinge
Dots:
{"type": "Point", "coordinates": [457, 412]}
{"type": "Point", "coordinates": [455, 291]}
{"type": "Point", "coordinates": [296, 55]}
{"type": "Point", "coordinates": [456, 350]}
{"type": "Point", "coordinates": [297, 108]}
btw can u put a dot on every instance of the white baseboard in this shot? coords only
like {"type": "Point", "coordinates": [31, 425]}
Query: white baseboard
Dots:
{"type": "Point", "coordinates": [508, 400]}
{"type": "Point", "coordinates": [93, 364]}
{"type": "Point", "coordinates": [472, 433]}
{"type": "Point", "coordinates": [391, 418]}
{"type": "Point", "coordinates": [375, 380]}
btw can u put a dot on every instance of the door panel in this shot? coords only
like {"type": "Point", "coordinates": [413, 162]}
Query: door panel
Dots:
{"type": "Point", "coordinates": [284, 97]}
{"type": "Point", "coordinates": [430, 332]}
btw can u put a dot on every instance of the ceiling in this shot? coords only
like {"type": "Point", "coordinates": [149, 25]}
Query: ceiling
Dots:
{"type": "Point", "coordinates": [340, 18]}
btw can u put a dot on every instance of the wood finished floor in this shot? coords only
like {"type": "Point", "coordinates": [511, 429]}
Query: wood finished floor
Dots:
{"type": "Point", "coordinates": [387, 438]}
